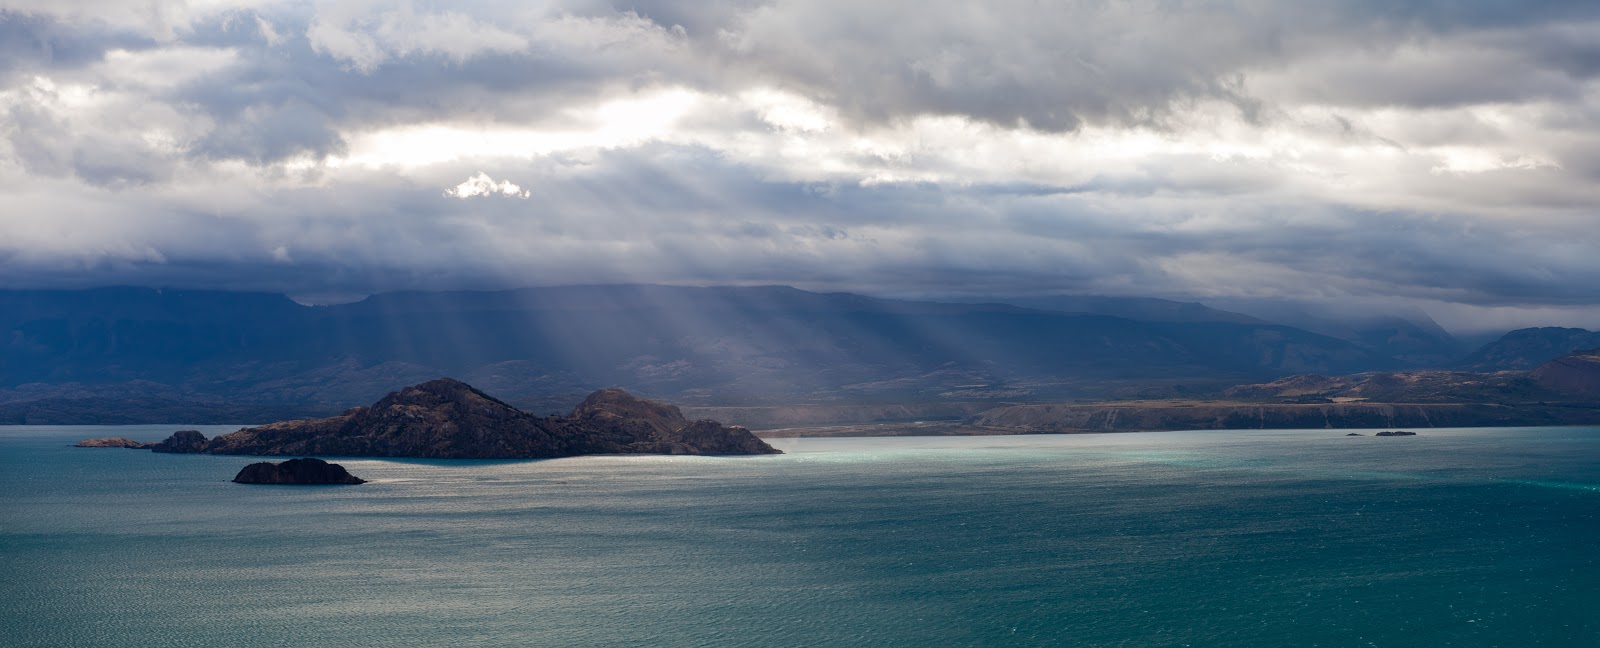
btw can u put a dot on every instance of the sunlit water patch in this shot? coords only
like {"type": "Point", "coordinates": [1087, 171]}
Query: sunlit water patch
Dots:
{"type": "Point", "coordinates": [1249, 538]}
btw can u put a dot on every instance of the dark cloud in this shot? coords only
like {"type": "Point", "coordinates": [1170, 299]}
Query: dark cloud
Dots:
{"type": "Point", "coordinates": [35, 43]}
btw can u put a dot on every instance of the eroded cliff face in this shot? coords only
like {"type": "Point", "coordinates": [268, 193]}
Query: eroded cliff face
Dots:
{"type": "Point", "coordinates": [449, 419]}
{"type": "Point", "coordinates": [1576, 374]}
{"type": "Point", "coordinates": [1137, 416]}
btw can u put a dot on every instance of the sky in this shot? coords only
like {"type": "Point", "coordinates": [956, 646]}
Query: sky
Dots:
{"type": "Point", "coordinates": [1430, 154]}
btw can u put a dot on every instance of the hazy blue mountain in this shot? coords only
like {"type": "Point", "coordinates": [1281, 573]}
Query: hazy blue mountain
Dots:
{"type": "Point", "coordinates": [115, 334]}
{"type": "Point", "coordinates": [1411, 338]}
{"type": "Point", "coordinates": [1529, 348]}
{"type": "Point", "coordinates": [1146, 309]}
{"type": "Point", "coordinates": [1408, 335]}
{"type": "Point", "coordinates": [547, 346]}
{"type": "Point", "coordinates": [781, 340]}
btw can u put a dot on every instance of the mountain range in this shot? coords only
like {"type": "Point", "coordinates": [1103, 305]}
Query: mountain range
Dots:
{"type": "Point", "coordinates": [243, 357]}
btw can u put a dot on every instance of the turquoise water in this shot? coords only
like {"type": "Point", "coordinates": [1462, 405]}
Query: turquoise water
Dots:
{"type": "Point", "coordinates": [1250, 538]}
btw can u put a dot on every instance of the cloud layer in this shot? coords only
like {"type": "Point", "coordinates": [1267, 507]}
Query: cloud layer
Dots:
{"type": "Point", "coordinates": [1442, 154]}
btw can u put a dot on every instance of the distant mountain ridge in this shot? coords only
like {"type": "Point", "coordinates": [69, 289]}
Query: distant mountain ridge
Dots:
{"type": "Point", "coordinates": [545, 348]}
{"type": "Point", "coordinates": [1530, 347]}
{"type": "Point", "coordinates": [1145, 309]}
{"type": "Point", "coordinates": [1409, 337]}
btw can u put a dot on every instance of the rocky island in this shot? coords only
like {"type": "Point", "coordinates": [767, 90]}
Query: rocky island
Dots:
{"type": "Point", "coordinates": [1389, 433]}
{"type": "Point", "coordinates": [112, 442]}
{"type": "Point", "coordinates": [449, 419]}
{"type": "Point", "coordinates": [296, 472]}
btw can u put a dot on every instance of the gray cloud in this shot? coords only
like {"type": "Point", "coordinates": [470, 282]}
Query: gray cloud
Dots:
{"type": "Point", "coordinates": [31, 43]}
{"type": "Point", "coordinates": [682, 215]}
{"type": "Point", "coordinates": [1423, 151]}
{"type": "Point", "coordinates": [1054, 68]}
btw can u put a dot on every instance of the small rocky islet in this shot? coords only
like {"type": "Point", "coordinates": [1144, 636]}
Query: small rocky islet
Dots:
{"type": "Point", "coordinates": [449, 419]}
{"type": "Point", "coordinates": [297, 472]}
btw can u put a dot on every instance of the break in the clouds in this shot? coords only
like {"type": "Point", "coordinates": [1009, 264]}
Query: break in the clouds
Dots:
{"type": "Point", "coordinates": [1440, 154]}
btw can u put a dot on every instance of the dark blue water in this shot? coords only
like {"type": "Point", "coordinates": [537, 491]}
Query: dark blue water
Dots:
{"type": "Point", "coordinates": [1256, 538]}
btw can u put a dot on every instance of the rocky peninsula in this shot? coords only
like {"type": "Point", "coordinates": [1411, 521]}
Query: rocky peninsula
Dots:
{"type": "Point", "coordinates": [449, 419]}
{"type": "Point", "coordinates": [296, 472]}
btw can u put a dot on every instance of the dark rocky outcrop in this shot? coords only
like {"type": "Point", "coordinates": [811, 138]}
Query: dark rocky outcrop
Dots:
{"type": "Point", "coordinates": [182, 441]}
{"type": "Point", "coordinates": [448, 419]}
{"type": "Point", "coordinates": [296, 472]}
{"type": "Point", "coordinates": [1354, 434]}
{"type": "Point", "coordinates": [111, 442]}
{"type": "Point", "coordinates": [1390, 433]}
{"type": "Point", "coordinates": [633, 425]}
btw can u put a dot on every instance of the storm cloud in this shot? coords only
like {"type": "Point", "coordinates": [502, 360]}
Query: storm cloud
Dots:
{"type": "Point", "coordinates": [1445, 155]}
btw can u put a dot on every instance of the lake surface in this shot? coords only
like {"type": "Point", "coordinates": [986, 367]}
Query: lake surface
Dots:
{"type": "Point", "coordinates": [1477, 537]}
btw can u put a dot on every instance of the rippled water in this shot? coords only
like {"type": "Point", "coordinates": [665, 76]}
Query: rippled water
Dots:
{"type": "Point", "coordinates": [1248, 538]}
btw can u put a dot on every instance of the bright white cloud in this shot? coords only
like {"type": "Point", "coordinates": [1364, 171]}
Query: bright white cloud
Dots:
{"type": "Point", "coordinates": [616, 123]}
{"type": "Point", "coordinates": [481, 185]}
